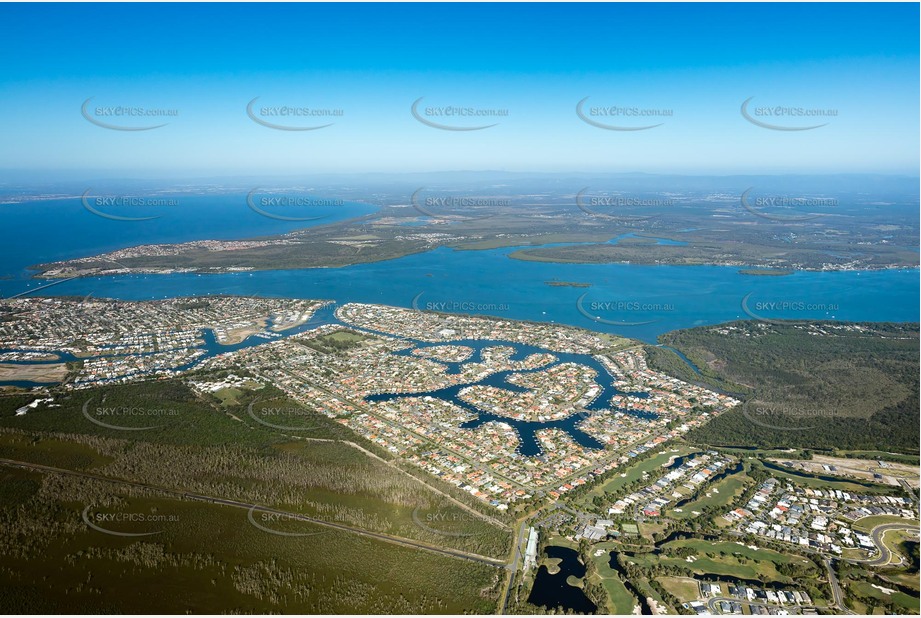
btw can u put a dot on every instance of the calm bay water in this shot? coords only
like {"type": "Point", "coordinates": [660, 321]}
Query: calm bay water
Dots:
{"type": "Point", "coordinates": [51, 230]}
{"type": "Point", "coordinates": [631, 300]}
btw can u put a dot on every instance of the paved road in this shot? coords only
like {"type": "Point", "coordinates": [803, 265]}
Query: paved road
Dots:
{"type": "Point", "coordinates": [453, 553]}
{"type": "Point", "coordinates": [836, 593]}
{"type": "Point", "coordinates": [885, 554]}
{"type": "Point", "coordinates": [513, 565]}
{"type": "Point", "coordinates": [877, 538]}
{"type": "Point", "coordinates": [42, 287]}
{"type": "Point", "coordinates": [909, 489]}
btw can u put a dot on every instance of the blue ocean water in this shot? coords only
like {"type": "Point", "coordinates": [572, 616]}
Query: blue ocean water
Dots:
{"type": "Point", "coordinates": [632, 300]}
{"type": "Point", "coordinates": [51, 230]}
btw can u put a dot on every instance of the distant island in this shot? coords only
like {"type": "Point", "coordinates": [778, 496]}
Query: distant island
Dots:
{"type": "Point", "coordinates": [567, 284]}
{"type": "Point", "coordinates": [858, 239]}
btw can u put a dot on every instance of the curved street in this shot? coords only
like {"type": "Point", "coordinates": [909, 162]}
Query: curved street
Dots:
{"type": "Point", "coordinates": [885, 554]}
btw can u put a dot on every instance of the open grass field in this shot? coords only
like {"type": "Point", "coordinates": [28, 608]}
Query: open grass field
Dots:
{"type": "Point", "coordinates": [651, 527]}
{"type": "Point", "coordinates": [620, 601]}
{"type": "Point", "coordinates": [737, 549]}
{"type": "Point", "coordinates": [337, 341]}
{"type": "Point", "coordinates": [895, 540]}
{"type": "Point", "coordinates": [899, 598]}
{"type": "Point", "coordinates": [719, 494]}
{"type": "Point", "coordinates": [909, 580]}
{"type": "Point", "coordinates": [722, 565]}
{"type": "Point", "coordinates": [562, 542]}
{"type": "Point", "coordinates": [724, 558]}
{"type": "Point", "coordinates": [865, 524]}
{"type": "Point", "coordinates": [852, 553]}
{"type": "Point", "coordinates": [635, 472]}
{"type": "Point", "coordinates": [685, 588]}
{"type": "Point", "coordinates": [229, 396]}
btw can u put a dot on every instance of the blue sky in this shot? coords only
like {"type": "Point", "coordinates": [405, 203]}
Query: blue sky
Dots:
{"type": "Point", "coordinates": [700, 62]}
